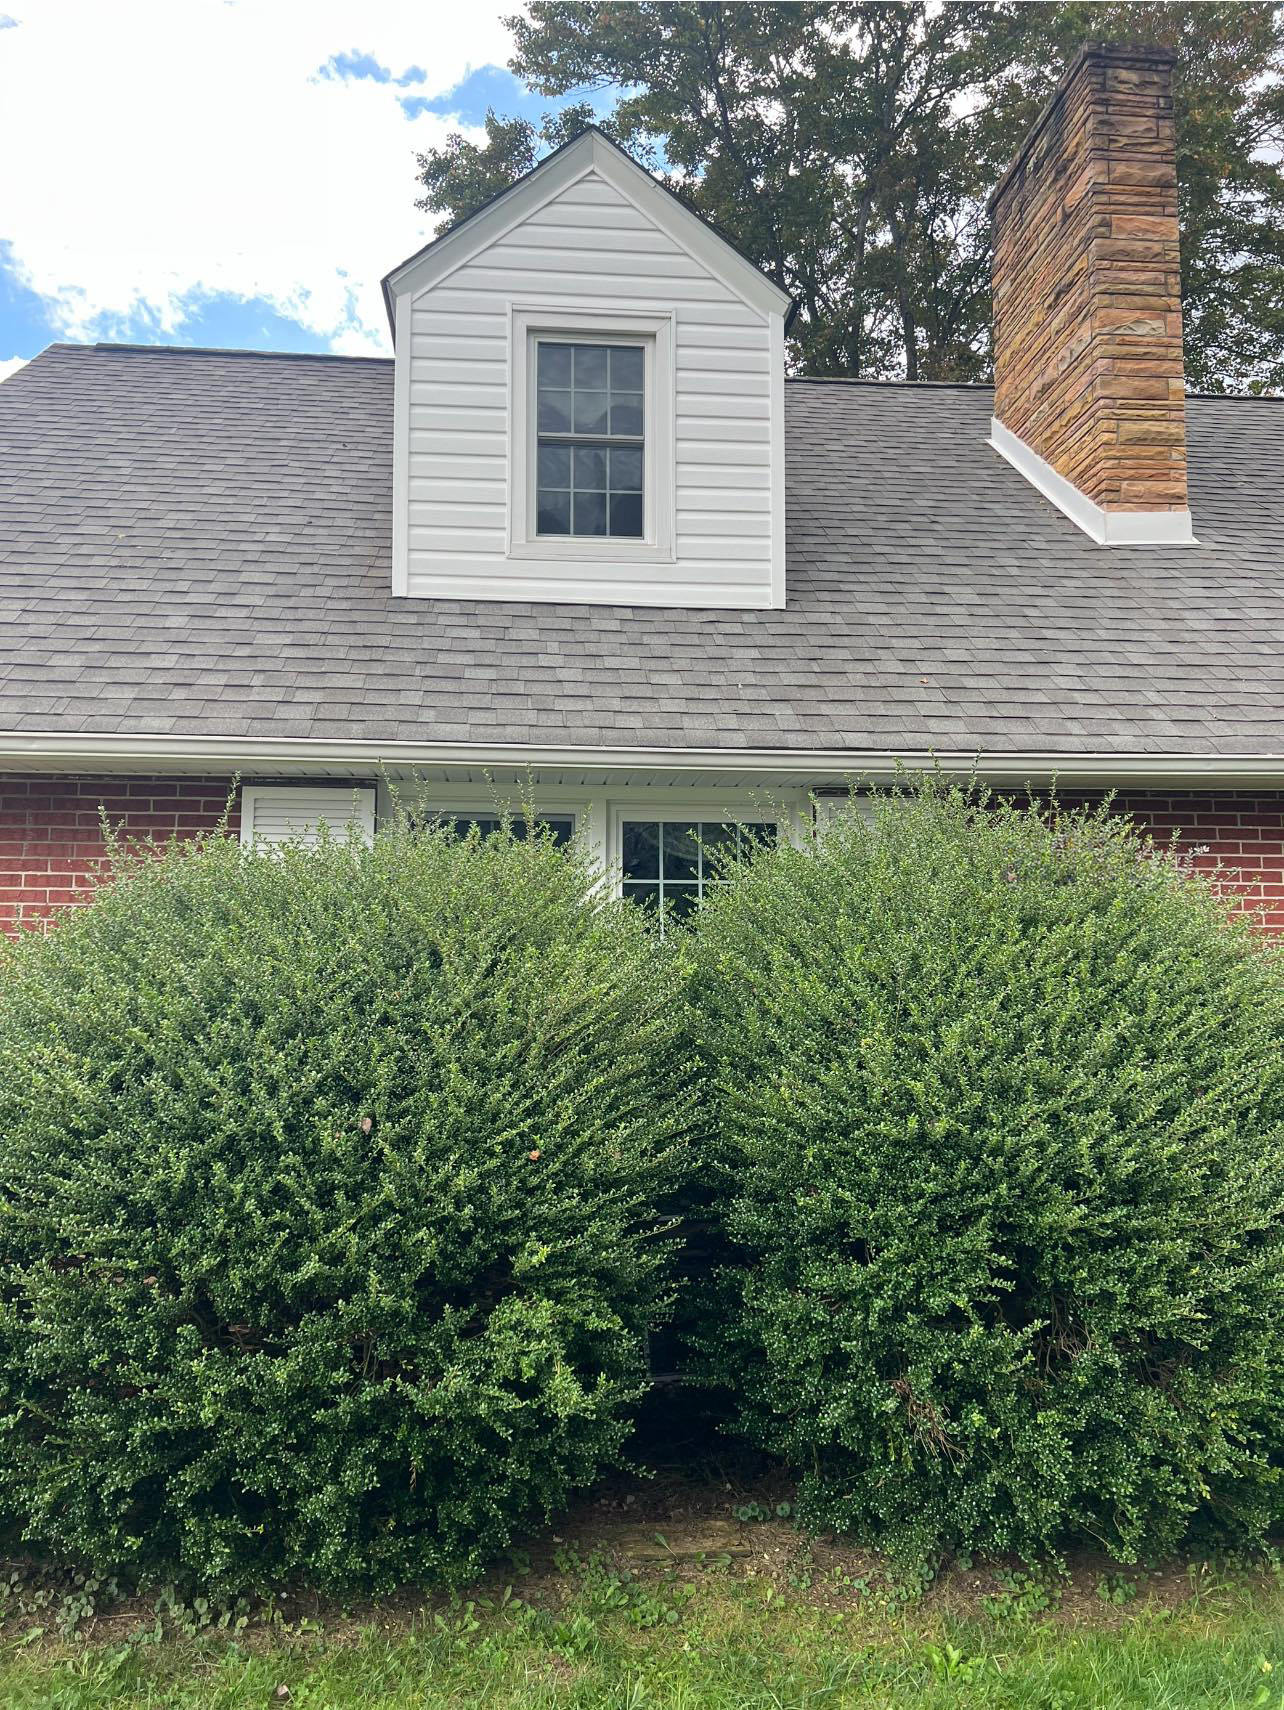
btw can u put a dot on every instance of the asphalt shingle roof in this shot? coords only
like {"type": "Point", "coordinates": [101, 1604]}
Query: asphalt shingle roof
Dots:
{"type": "Point", "coordinates": [198, 544]}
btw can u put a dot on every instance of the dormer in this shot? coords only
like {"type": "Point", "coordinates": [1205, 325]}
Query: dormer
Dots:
{"type": "Point", "coordinates": [589, 400]}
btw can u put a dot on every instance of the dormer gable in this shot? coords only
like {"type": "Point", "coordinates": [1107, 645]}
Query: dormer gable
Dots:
{"type": "Point", "coordinates": [589, 398]}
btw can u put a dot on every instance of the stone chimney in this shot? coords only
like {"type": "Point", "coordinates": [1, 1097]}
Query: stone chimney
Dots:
{"type": "Point", "coordinates": [1088, 382]}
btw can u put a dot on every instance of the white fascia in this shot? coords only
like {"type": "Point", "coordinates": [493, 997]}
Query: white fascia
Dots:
{"type": "Point", "coordinates": [1107, 528]}
{"type": "Point", "coordinates": [65, 750]}
{"type": "Point", "coordinates": [589, 152]}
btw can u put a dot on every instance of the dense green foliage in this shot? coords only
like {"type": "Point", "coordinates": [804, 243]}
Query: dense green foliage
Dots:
{"type": "Point", "coordinates": [328, 1186]}
{"type": "Point", "coordinates": [999, 1113]}
{"type": "Point", "coordinates": [848, 150]}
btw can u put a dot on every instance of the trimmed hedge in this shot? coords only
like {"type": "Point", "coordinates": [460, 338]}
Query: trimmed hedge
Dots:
{"type": "Point", "coordinates": [329, 1238]}
{"type": "Point", "coordinates": [999, 1109]}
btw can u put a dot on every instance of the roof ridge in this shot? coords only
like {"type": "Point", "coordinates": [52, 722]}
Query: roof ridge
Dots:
{"type": "Point", "coordinates": [988, 386]}
{"type": "Point", "coordinates": [908, 385]}
{"type": "Point", "coordinates": [218, 350]}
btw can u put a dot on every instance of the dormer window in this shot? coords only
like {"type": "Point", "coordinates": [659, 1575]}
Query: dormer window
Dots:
{"type": "Point", "coordinates": [589, 401]}
{"type": "Point", "coordinates": [590, 440]}
{"type": "Point", "coordinates": [591, 478]}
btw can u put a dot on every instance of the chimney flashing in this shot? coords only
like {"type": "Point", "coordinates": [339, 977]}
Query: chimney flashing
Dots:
{"type": "Point", "coordinates": [1107, 528]}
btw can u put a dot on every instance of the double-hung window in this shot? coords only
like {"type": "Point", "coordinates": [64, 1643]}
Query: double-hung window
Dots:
{"type": "Point", "coordinates": [590, 409]}
{"type": "Point", "coordinates": [592, 472]}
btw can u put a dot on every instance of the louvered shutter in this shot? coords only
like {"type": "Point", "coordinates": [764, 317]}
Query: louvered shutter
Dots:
{"type": "Point", "coordinates": [277, 813]}
{"type": "Point", "coordinates": [826, 809]}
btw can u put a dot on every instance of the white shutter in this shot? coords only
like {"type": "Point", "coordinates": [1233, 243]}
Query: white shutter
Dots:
{"type": "Point", "coordinates": [279, 812]}
{"type": "Point", "coordinates": [826, 809]}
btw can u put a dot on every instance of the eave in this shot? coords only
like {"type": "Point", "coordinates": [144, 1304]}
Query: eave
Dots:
{"type": "Point", "coordinates": [50, 751]}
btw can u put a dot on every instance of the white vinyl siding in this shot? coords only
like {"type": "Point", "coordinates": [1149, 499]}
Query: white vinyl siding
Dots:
{"type": "Point", "coordinates": [279, 814]}
{"type": "Point", "coordinates": [590, 251]}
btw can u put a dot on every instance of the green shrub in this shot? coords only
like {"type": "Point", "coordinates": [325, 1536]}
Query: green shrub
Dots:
{"type": "Point", "coordinates": [998, 1114]}
{"type": "Point", "coordinates": [329, 1238]}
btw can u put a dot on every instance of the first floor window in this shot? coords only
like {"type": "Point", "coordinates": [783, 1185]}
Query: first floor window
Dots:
{"type": "Point", "coordinates": [561, 826]}
{"type": "Point", "coordinates": [669, 864]}
{"type": "Point", "coordinates": [590, 440]}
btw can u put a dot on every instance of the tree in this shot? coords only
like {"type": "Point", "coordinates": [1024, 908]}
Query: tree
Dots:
{"type": "Point", "coordinates": [848, 149]}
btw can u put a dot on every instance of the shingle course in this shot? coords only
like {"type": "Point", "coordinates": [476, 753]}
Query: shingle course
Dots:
{"type": "Point", "coordinates": [199, 543]}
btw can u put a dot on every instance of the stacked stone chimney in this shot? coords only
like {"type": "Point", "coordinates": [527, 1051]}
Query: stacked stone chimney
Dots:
{"type": "Point", "coordinates": [1088, 392]}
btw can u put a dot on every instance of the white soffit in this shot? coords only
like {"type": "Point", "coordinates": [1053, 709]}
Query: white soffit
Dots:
{"type": "Point", "coordinates": [1107, 528]}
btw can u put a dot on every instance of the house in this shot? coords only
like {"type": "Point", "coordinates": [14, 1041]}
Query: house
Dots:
{"type": "Point", "coordinates": [583, 538]}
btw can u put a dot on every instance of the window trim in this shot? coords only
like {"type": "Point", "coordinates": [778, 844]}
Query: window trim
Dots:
{"type": "Point", "coordinates": [654, 332]}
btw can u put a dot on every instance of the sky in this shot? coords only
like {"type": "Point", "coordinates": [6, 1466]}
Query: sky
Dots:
{"type": "Point", "coordinates": [238, 173]}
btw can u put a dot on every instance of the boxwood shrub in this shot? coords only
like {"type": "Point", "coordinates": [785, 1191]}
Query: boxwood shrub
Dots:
{"type": "Point", "coordinates": [329, 1239]}
{"type": "Point", "coordinates": [997, 1101]}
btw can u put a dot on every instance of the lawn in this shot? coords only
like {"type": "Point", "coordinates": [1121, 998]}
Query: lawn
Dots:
{"type": "Point", "coordinates": [714, 1614]}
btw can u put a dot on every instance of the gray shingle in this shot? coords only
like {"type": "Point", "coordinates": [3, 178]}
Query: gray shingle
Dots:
{"type": "Point", "coordinates": [198, 543]}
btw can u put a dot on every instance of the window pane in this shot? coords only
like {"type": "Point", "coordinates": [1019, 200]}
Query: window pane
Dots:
{"type": "Point", "coordinates": [554, 466]}
{"type": "Point", "coordinates": [553, 511]}
{"type": "Point", "coordinates": [626, 368]}
{"type": "Point", "coordinates": [626, 469]}
{"type": "Point", "coordinates": [647, 893]}
{"type": "Point", "coordinates": [590, 467]}
{"type": "Point", "coordinates": [717, 834]}
{"type": "Point", "coordinates": [716, 841]}
{"type": "Point", "coordinates": [626, 514]}
{"type": "Point", "coordinates": [590, 366]}
{"type": "Point", "coordinates": [554, 412]}
{"type": "Point", "coordinates": [561, 826]}
{"type": "Point", "coordinates": [626, 414]}
{"type": "Point", "coordinates": [641, 851]}
{"type": "Point", "coordinates": [555, 365]}
{"type": "Point", "coordinates": [681, 851]}
{"type": "Point", "coordinates": [589, 514]}
{"type": "Point", "coordinates": [590, 412]}
{"type": "Point", "coordinates": [681, 900]}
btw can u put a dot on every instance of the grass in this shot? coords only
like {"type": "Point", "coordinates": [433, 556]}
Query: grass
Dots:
{"type": "Point", "coordinates": [780, 1627]}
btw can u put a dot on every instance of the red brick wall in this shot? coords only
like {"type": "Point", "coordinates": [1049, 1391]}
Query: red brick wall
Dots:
{"type": "Point", "coordinates": [51, 833]}
{"type": "Point", "coordinates": [51, 841]}
{"type": "Point", "coordinates": [1238, 834]}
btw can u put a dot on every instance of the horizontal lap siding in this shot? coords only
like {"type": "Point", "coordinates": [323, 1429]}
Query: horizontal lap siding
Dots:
{"type": "Point", "coordinates": [588, 249]}
{"type": "Point", "coordinates": [51, 843]}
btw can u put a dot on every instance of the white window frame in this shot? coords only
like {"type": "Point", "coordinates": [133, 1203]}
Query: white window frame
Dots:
{"type": "Point", "coordinates": [654, 333]}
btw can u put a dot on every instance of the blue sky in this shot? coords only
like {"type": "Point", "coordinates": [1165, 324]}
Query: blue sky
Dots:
{"type": "Point", "coordinates": [225, 172]}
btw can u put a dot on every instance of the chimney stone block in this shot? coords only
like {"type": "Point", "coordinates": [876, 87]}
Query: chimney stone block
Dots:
{"type": "Point", "coordinates": [1087, 303]}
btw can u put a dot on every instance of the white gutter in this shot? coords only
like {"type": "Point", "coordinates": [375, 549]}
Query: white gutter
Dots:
{"type": "Point", "coordinates": [239, 753]}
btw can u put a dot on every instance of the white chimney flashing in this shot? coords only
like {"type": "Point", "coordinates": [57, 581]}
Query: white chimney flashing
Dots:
{"type": "Point", "coordinates": [1107, 528]}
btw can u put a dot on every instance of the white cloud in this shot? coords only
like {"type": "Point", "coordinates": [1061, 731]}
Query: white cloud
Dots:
{"type": "Point", "coordinates": [160, 152]}
{"type": "Point", "coordinates": [10, 365]}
